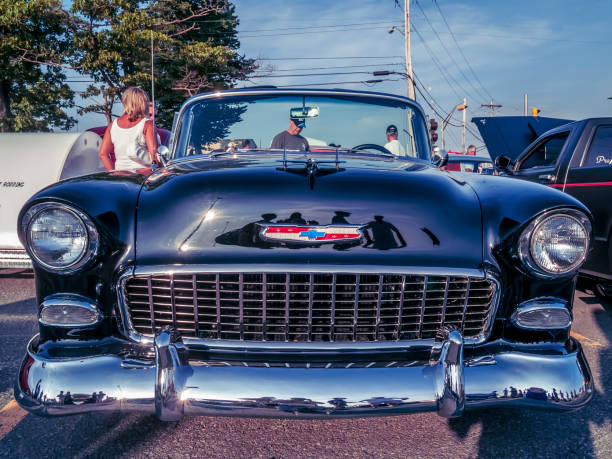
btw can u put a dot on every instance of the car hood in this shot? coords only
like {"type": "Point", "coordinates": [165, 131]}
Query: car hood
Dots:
{"type": "Point", "coordinates": [210, 211]}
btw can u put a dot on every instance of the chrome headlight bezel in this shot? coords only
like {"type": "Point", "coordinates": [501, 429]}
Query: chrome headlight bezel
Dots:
{"type": "Point", "coordinates": [92, 244]}
{"type": "Point", "coordinates": [524, 248]}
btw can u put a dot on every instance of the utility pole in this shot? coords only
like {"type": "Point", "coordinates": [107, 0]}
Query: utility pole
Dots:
{"type": "Point", "coordinates": [463, 132]}
{"type": "Point", "coordinates": [492, 107]}
{"type": "Point", "coordinates": [408, 56]}
{"type": "Point", "coordinates": [525, 104]}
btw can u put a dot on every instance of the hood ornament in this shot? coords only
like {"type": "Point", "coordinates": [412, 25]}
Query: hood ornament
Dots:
{"type": "Point", "coordinates": [310, 234]}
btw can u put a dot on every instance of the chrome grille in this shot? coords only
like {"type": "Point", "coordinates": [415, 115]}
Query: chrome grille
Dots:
{"type": "Point", "coordinates": [296, 307]}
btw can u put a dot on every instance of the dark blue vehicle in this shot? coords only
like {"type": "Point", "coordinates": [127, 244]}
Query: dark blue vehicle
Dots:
{"type": "Point", "coordinates": [576, 158]}
{"type": "Point", "coordinates": [340, 280]}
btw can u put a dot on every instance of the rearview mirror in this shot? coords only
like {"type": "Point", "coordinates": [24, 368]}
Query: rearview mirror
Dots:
{"type": "Point", "coordinates": [163, 153]}
{"type": "Point", "coordinates": [502, 162]}
{"type": "Point", "coordinates": [304, 112]}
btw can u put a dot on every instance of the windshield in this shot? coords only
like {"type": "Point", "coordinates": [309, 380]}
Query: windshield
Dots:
{"type": "Point", "coordinates": [302, 123]}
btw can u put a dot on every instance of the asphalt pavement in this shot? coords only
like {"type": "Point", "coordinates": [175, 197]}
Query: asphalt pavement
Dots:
{"type": "Point", "coordinates": [491, 433]}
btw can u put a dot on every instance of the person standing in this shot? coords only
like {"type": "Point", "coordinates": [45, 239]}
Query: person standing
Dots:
{"type": "Point", "coordinates": [393, 145]}
{"type": "Point", "coordinates": [471, 150]}
{"type": "Point", "coordinates": [131, 136]}
{"type": "Point", "coordinates": [291, 138]}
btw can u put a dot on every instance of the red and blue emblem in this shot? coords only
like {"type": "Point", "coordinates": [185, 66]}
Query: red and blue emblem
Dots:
{"type": "Point", "coordinates": [315, 234]}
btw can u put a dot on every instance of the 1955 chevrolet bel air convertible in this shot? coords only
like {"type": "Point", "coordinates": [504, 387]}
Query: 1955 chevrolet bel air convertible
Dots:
{"type": "Point", "coordinates": [323, 277]}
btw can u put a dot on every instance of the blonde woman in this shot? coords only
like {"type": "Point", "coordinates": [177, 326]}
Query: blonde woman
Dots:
{"type": "Point", "coordinates": [131, 136]}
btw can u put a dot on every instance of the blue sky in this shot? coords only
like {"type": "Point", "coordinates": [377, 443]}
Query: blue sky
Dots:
{"type": "Point", "coordinates": [557, 51]}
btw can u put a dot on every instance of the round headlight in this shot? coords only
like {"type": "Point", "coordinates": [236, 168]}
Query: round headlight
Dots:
{"type": "Point", "coordinates": [59, 237]}
{"type": "Point", "coordinates": [556, 243]}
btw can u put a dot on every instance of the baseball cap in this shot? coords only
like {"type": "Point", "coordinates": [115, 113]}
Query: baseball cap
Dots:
{"type": "Point", "coordinates": [299, 122]}
{"type": "Point", "coordinates": [392, 129]}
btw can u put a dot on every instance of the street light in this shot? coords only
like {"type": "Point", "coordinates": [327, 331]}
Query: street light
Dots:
{"type": "Point", "coordinates": [399, 29]}
{"type": "Point", "coordinates": [459, 107]}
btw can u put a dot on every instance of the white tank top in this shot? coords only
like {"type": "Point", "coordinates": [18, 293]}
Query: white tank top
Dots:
{"type": "Point", "coordinates": [130, 147]}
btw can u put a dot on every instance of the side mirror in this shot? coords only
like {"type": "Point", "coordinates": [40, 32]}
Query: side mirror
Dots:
{"type": "Point", "coordinates": [163, 153]}
{"type": "Point", "coordinates": [502, 162]}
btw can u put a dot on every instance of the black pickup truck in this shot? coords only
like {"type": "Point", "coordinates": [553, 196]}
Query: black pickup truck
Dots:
{"type": "Point", "coordinates": [576, 158]}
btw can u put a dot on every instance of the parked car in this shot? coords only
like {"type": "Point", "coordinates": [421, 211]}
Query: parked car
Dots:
{"type": "Point", "coordinates": [343, 281]}
{"type": "Point", "coordinates": [577, 158]}
{"type": "Point", "coordinates": [468, 163]}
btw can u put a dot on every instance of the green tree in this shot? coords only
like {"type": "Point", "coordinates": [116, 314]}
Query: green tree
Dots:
{"type": "Point", "coordinates": [195, 48]}
{"type": "Point", "coordinates": [33, 96]}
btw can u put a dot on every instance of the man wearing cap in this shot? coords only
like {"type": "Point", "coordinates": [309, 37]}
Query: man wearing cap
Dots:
{"type": "Point", "coordinates": [291, 138]}
{"type": "Point", "coordinates": [393, 145]}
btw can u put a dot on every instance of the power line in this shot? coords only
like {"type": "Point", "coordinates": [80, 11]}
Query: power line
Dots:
{"type": "Point", "coordinates": [365, 82]}
{"type": "Point", "coordinates": [438, 64]}
{"type": "Point", "coordinates": [389, 21]}
{"type": "Point", "coordinates": [290, 31]}
{"type": "Point", "coordinates": [438, 114]}
{"type": "Point", "coordinates": [292, 58]}
{"type": "Point", "coordinates": [308, 32]}
{"type": "Point", "coordinates": [311, 74]}
{"type": "Point", "coordinates": [460, 50]}
{"type": "Point", "coordinates": [339, 67]}
{"type": "Point", "coordinates": [469, 80]}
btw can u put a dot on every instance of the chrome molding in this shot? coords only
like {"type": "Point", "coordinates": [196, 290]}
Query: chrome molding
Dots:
{"type": "Point", "coordinates": [221, 345]}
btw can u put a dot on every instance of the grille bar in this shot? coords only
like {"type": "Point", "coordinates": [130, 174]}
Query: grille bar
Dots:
{"type": "Point", "coordinates": [309, 307]}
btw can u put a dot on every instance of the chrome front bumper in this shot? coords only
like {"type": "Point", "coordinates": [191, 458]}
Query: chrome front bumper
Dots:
{"type": "Point", "coordinates": [171, 384]}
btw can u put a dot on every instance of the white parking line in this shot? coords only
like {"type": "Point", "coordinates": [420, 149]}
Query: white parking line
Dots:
{"type": "Point", "coordinates": [10, 415]}
{"type": "Point", "coordinates": [586, 341]}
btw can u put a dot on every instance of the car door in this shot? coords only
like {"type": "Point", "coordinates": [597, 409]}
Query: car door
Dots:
{"type": "Point", "coordinates": [590, 181]}
{"type": "Point", "coordinates": [541, 164]}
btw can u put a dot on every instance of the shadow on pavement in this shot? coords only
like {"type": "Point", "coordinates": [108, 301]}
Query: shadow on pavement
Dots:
{"type": "Point", "coordinates": [87, 435]}
{"type": "Point", "coordinates": [513, 432]}
{"type": "Point", "coordinates": [16, 273]}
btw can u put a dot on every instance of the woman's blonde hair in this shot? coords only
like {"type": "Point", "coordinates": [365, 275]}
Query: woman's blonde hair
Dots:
{"type": "Point", "coordinates": [135, 103]}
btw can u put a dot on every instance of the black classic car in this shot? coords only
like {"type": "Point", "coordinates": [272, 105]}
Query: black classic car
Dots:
{"type": "Point", "coordinates": [577, 159]}
{"type": "Point", "coordinates": [332, 280]}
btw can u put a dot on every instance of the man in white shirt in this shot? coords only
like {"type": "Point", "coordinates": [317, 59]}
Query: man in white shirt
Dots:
{"type": "Point", "coordinates": [393, 144]}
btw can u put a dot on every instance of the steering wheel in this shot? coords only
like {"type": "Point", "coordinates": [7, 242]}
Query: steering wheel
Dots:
{"type": "Point", "coordinates": [372, 146]}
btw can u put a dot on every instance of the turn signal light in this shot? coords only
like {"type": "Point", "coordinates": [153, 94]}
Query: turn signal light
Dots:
{"type": "Point", "coordinates": [542, 314]}
{"type": "Point", "coordinates": [68, 311]}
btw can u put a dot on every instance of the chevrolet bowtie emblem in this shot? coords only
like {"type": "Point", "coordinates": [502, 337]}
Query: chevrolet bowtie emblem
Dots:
{"type": "Point", "coordinates": [315, 234]}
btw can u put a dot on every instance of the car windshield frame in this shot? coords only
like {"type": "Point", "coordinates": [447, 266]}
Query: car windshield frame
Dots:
{"type": "Point", "coordinates": [420, 140]}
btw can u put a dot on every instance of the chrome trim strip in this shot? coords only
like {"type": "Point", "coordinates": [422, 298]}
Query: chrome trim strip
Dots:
{"type": "Point", "coordinates": [423, 304]}
{"type": "Point", "coordinates": [220, 345]}
{"type": "Point", "coordinates": [302, 268]}
{"type": "Point", "coordinates": [151, 308]}
{"type": "Point", "coordinates": [196, 318]}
